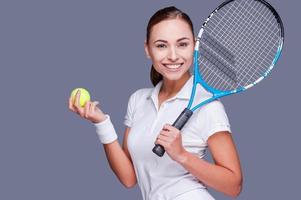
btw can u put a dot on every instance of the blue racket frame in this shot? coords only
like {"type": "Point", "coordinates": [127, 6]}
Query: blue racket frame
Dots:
{"type": "Point", "coordinates": [216, 94]}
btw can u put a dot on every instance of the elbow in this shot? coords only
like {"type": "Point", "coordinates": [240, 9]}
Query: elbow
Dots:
{"type": "Point", "coordinates": [129, 183]}
{"type": "Point", "coordinates": [236, 189]}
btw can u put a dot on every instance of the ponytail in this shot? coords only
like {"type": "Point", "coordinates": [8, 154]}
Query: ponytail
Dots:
{"type": "Point", "coordinates": [155, 76]}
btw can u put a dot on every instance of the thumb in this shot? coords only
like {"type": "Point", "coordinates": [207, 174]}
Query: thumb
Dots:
{"type": "Point", "coordinates": [94, 106]}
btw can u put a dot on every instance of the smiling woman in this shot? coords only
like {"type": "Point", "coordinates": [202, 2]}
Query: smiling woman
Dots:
{"type": "Point", "coordinates": [171, 49]}
{"type": "Point", "coordinates": [168, 16]}
{"type": "Point", "coordinates": [181, 173]}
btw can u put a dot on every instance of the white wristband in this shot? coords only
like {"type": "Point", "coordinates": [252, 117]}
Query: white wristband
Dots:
{"type": "Point", "coordinates": [105, 131]}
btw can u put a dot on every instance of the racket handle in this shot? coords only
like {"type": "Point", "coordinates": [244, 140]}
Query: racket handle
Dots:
{"type": "Point", "coordinates": [179, 124]}
{"type": "Point", "coordinates": [159, 150]}
{"type": "Point", "coordinates": [182, 119]}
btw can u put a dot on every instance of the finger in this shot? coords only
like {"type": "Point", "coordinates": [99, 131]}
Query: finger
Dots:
{"type": "Point", "coordinates": [72, 106]}
{"type": "Point", "coordinates": [171, 134]}
{"type": "Point", "coordinates": [87, 109]}
{"type": "Point", "coordinates": [164, 138]}
{"type": "Point", "coordinates": [77, 98]}
{"type": "Point", "coordinates": [93, 105]}
{"type": "Point", "coordinates": [170, 128]}
{"type": "Point", "coordinates": [77, 105]}
{"type": "Point", "coordinates": [163, 143]}
{"type": "Point", "coordinates": [165, 133]}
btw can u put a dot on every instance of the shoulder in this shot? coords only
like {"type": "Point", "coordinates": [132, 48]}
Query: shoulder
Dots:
{"type": "Point", "coordinates": [136, 101]}
{"type": "Point", "coordinates": [214, 106]}
{"type": "Point", "coordinates": [140, 94]}
{"type": "Point", "coordinates": [143, 92]}
{"type": "Point", "coordinates": [213, 111]}
{"type": "Point", "coordinates": [213, 118]}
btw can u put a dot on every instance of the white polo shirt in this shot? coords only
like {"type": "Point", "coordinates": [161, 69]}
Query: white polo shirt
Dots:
{"type": "Point", "coordinates": [161, 178]}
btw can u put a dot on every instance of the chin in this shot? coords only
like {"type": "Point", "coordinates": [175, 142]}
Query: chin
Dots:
{"type": "Point", "coordinates": [173, 76]}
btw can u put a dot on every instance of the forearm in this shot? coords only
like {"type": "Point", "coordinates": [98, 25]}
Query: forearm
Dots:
{"type": "Point", "coordinates": [120, 164]}
{"type": "Point", "coordinates": [217, 177]}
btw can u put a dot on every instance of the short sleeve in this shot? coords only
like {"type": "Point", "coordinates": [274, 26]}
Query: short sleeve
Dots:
{"type": "Point", "coordinates": [128, 119]}
{"type": "Point", "coordinates": [214, 119]}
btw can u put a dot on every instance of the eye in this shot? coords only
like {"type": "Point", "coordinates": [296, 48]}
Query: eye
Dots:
{"type": "Point", "coordinates": [183, 44]}
{"type": "Point", "coordinates": [161, 46]}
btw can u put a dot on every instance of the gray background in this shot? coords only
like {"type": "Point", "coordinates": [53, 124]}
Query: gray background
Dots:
{"type": "Point", "coordinates": [47, 48]}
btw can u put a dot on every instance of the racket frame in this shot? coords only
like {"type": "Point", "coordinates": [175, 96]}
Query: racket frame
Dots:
{"type": "Point", "coordinates": [216, 94]}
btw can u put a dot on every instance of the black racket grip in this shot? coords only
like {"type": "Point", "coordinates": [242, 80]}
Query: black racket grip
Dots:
{"type": "Point", "coordinates": [182, 119]}
{"type": "Point", "coordinates": [159, 150]}
{"type": "Point", "coordinates": [179, 124]}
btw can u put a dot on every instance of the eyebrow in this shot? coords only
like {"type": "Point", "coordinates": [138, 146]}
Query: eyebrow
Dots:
{"type": "Point", "coordinates": [178, 40]}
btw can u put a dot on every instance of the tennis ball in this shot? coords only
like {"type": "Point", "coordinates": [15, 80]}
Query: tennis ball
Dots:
{"type": "Point", "coordinates": [84, 96]}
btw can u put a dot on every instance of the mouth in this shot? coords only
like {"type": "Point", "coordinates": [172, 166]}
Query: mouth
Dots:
{"type": "Point", "coordinates": [173, 66]}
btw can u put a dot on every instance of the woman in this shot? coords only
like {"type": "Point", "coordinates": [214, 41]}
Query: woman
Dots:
{"type": "Point", "coordinates": [181, 173]}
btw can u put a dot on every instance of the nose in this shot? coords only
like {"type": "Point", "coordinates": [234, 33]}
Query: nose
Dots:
{"type": "Point", "coordinates": [172, 54]}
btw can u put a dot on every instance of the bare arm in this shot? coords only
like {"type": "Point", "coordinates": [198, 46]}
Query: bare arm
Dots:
{"type": "Point", "coordinates": [120, 161]}
{"type": "Point", "coordinates": [225, 174]}
{"type": "Point", "coordinates": [119, 158]}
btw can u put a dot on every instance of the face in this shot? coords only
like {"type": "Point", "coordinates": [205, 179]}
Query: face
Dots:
{"type": "Point", "coordinates": [170, 47]}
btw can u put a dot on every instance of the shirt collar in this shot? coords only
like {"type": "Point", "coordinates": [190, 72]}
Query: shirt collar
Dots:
{"type": "Point", "coordinates": [184, 93]}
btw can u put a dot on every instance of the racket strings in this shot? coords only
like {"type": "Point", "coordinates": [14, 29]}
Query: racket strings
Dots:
{"type": "Point", "coordinates": [245, 35]}
{"type": "Point", "coordinates": [216, 71]}
{"type": "Point", "coordinates": [215, 46]}
{"type": "Point", "coordinates": [267, 34]}
{"type": "Point", "coordinates": [238, 45]}
{"type": "Point", "coordinates": [239, 30]}
{"type": "Point", "coordinates": [220, 64]}
{"type": "Point", "coordinates": [245, 26]}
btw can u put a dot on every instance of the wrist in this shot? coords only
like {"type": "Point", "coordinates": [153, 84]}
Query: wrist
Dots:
{"type": "Point", "coordinates": [183, 157]}
{"type": "Point", "coordinates": [99, 119]}
{"type": "Point", "coordinates": [106, 131]}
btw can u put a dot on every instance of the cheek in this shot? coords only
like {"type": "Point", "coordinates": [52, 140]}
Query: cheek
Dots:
{"type": "Point", "coordinates": [188, 55]}
{"type": "Point", "coordinates": [157, 56]}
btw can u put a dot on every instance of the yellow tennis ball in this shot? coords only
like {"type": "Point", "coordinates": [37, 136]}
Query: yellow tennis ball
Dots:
{"type": "Point", "coordinates": [84, 96]}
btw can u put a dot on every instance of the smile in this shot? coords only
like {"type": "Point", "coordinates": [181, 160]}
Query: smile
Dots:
{"type": "Point", "coordinates": [173, 66]}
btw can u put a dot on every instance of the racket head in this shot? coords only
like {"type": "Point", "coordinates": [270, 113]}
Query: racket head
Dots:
{"type": "Point", "coordinates": [237, 46]}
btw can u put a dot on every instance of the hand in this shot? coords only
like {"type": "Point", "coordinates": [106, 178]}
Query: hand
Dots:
{"type": "Point", "coordinates": [171, 139]}
{"type": "Point", "coordinates": [90, 112]}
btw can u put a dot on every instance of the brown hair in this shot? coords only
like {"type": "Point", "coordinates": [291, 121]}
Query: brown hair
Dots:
{"type": "Point", "coordinates": [161, 15]}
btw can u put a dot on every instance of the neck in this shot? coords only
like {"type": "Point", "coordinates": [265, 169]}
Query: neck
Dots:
{"type": "Point", "coordinates": [170, 87]}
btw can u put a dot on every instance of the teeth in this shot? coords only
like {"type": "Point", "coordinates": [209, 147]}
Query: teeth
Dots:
{"type": "Point", "coordinates": [173, 66]}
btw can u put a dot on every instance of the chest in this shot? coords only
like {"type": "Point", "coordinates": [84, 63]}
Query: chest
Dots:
{"type": "Point", "coordinates": [148, 122]}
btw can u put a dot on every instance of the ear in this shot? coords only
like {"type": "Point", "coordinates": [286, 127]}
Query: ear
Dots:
{"type": "Point", "coordinates": [146, 50]}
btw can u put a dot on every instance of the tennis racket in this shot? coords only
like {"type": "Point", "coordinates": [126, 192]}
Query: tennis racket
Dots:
{"type": "Point", "coordinates": [236, 48]}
